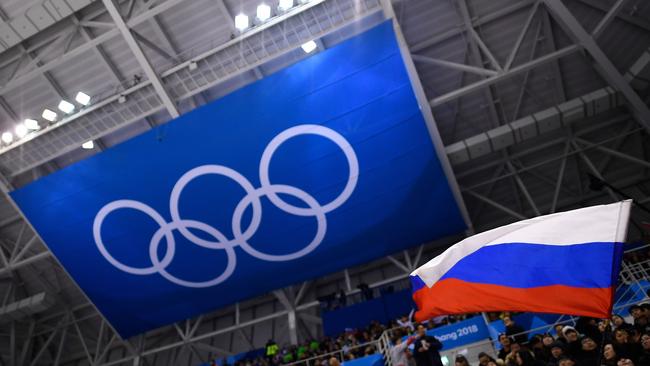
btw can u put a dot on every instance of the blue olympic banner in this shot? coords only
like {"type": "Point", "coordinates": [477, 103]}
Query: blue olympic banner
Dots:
{"type": "Point", "coordinates": [318, 167]}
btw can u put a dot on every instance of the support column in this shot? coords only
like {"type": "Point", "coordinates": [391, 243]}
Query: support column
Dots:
{"type": "Point", "coordinates": [293, 329]}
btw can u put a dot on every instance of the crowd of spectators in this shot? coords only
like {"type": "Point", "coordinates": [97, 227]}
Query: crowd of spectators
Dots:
{"type": "Point", "coordinates": [592, 342]}
{"type": "Point", "coordinates": [352, 344]}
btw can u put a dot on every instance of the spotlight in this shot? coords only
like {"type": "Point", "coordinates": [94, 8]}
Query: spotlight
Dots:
{"type": "Point", "coordinates": [21, 130]}
{"type": "Point", "coordinates": [88, 145]}
{"type": "Point", "coordinates": [49, 115]}
{"type": "Point", "coordinates": [309, 47]}
{"type": "Point", "coordinates": [31, 124]}
{"type": "Point", "coordinates": [285, 5]}
{"type": "Point", "coordinates": [263, 12]}
{"type": "Point", "coordinates": [82, 98]}
{"type": "Point", "coordinates": [241, 22]}
{"type": "Point", "coordinates": [66, 107]}
{"type": "Point", "coordinates": [7, 137]}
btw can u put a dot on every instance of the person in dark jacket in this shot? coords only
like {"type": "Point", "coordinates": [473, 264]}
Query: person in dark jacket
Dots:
{"type": "Point", "coordinates": [514, 330]}
{"type": "Point", "coordinates": [557, 353]}
{"type": "Point", "coordinates": [590, 356]}
{"type": "Point", "coordinates": [426, 349]}
{"type": "Point", "coordinates": [506, 344]}
{"type": "Point", "coordinates": [573, 345]}
{"type": "Point", "coordinates": [624, 347]}
{"type": "Point", "coordinates": [644, 358]}
{"type": "Point", "coordinates": [525, 358]}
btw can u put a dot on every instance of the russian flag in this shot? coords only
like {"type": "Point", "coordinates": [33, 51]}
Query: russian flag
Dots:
{"type": "Point", "coordinates": [564, 263]}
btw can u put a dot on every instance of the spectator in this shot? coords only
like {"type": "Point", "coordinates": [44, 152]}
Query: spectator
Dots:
{"type": "Point", "coordinates": [399, 352]}
{"type": "Point", "coordinates": [406, 322]}
{"type": "Point", "coordinates": [510, 359]}
{"type": "Point", "coordinates": [560, 334]}
{"type": "Point", "coordinates": [619, 323]}
{"type": "Point", "coordinates": [506, 343]}
{"type": "Point", "coordinates": [540, 352]}
{"type": "Point", "coordinates": [333, 361]}
{"type": "Point", "coordinates": [461, 361]}
{"type": "Point", "coordinates": [589, 327]}
{"type": "Point", "coordinates": [525, 358]}
{"type": "Point", "coordinates": [589, 355]}
{"type": "Point", "coordinates": [426, 349]}
{"type": "Point", "coordinates": [566, 361]}
{"type": "Point", "coordinates": [574, 347]}
{"type": "Point", "coordinates": [514, 330]}
{"type": "Point", "coordinates": [557, 353]}
{"type": "Point", "coordinates": [271, 349]}
{"type": "Point", "coordinates": [644, 359]}
{"type": "Point", "coordinates": [366, 292]}
{"type": "Point", "coordinates": [610, 358]}
{"type": "Point", "coordinates": [623, 347]}
{"type": "Point", "coordinates": [484, 359]}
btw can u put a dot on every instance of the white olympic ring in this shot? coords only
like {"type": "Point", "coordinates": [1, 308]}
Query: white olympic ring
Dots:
{"type": "Point", "coordinates": [251, 198]}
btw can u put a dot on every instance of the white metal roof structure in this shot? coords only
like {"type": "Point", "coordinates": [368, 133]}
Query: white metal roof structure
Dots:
{"type": "Point", "coordinates": [529, 96]}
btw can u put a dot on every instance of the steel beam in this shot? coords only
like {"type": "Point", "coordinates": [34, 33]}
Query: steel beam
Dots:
{"type": "Point", "coordinates": [453, 65]}
{"type": "Point", "coordinates": [144, 63]}
{"type": "Point", "coordinates": [608, 18]}
{"type": "Point", "coordinates": [603, 64]}
{"type": "Point", "coordinates": [563, 52]}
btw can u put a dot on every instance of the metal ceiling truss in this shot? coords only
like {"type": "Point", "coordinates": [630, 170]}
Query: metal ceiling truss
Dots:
{"type": "Point", "coordinates": [81, 336]}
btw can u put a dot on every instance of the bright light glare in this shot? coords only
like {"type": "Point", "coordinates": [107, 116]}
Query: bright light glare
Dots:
{"type": "Point", "coordinates": [21, 130]}
{"type": "Point", "coordinates": [88, 145]}
{"type": "Point", "coordinates": [241, 22]}
{"type": "Point", "coordinates": [66, 107]}
{"type": "Point", "coordinates": [49, 115]}
{"type": "Point", "coordinates": [285, 5]}
{"type": "Point", "coordinates": [309, 46]}
{"type": "Point", "coordinates": [263, 12]}
{"type": "Point", "coordinates": [31, 124]}
{"type": "Point", "coordinates": [7, 137]}
{"type": "Point", "coordinates": [82, 98]}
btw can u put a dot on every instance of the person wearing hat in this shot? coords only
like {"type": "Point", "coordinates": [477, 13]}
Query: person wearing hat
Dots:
{"type": "Point", "coordinates": [573, 347]}
{"type": "Point", "coordinates": [557, 353]}
{"type": "Point", "coordinates": [590, 356]}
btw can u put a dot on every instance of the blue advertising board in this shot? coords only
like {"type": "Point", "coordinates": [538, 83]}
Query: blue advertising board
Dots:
{"type": "Point", "coordinates": [462, 333]}
{"type": "Point", "coordinates": [323, 165]}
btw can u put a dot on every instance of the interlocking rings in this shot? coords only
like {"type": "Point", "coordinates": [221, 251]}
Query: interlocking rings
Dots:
{"type": "Point", "coordinates": [252, 198]}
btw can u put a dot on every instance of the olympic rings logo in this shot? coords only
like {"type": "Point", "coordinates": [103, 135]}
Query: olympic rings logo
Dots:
{"type": "Point", "coordinates": [241, 236]}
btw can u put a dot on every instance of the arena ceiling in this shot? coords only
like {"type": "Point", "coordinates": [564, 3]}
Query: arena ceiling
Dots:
{"type": "Point", "coordinates": [530, 98]}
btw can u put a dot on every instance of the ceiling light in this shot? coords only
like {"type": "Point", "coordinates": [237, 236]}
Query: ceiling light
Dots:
{"type": "Point", "coordinates": [49, 115]}
{"type": "Point", "coordinates": [66, 107]}
{"type": "Point", "coordinates": [31, 124]}
{"type": "Point", "coordinates": [7, 137]}
{"type": "Point", "coordinates": [285, 5]}
{"type": "Point", "coordinates": [88, 145]}
{"type": "Point", "coordinates": [241, 22]}
{"type": "Point", "coordinates": [21, 130]}
{"type": "Point", "coordinates": [309, 46]}
{"type": "Point", "coordinates": [263, 12]}
{"type": "Point", "coordinates": [82, 98]}
{"type": "Point", "coordinates": [121, 99]}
